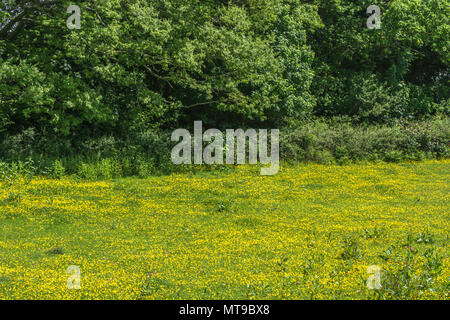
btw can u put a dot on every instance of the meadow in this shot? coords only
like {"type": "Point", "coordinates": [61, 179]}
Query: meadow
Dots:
{"type": "Point", "coordinates": [309, 232]}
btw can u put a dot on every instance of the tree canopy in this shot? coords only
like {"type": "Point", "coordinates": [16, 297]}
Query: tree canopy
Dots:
{"type": "Point", "coordinates": [137, 65]}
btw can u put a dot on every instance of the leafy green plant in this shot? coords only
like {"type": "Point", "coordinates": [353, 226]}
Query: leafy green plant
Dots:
{"type": "Point", "coordinates": [57, 170]}
{"type": "Point", "coordinates": [350, 250]}
{"type": "Point", "coordinates": [406, 278]}
{"type": "Point", "coordinates": [87, 171]}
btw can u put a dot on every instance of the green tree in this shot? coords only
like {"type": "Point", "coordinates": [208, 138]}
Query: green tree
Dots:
{"type": "Point", "coordinates": [140, 64]}
{"type": "Point", "coordinates": [399, 70]}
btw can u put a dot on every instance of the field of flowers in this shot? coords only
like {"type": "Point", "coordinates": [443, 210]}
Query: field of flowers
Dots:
{"type": "Point", "coordinates": [309, 232]}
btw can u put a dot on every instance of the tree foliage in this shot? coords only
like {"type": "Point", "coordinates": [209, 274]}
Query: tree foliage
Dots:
{"type": "Point", "coordinates": [141, 63]}
{"type": "Point", "coordinates": [138, 65]}
{"type": "Point", "coordinates": [399, 70]}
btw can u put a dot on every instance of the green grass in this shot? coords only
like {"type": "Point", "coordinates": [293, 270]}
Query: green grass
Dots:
{"type": "Point", "coordinates": [309, 232]}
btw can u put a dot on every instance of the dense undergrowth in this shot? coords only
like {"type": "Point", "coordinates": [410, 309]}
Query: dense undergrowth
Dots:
{"type": "Point", "coordinates": [148, 153]}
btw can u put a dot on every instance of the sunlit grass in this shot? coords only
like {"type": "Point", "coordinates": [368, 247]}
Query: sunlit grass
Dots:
{"type": "Point", "coordinates": [310, 231]}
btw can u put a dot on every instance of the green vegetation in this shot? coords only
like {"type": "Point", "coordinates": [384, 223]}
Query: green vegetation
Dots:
{"type": "Point", "coordinates": [320, 141]}
{"type": "Point", "coordinates": [309, 232]}
{"type": "Point", "coordinates": [136, 70]}
{"type": "Point", "coordinates": [86, 178]}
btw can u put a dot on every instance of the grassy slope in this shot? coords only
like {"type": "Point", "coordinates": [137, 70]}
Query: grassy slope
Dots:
{"type": "Point", "coordinates": [309, 232]}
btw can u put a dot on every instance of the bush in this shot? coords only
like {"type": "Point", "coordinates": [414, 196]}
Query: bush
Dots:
{"type": "Point", "coordinates": [316, 141]}
{"type": "Point", "coordinates": [147, 152]}
{"type": "Point", "coordinates": [13, 171]}
{"type": "Point", "coordinates": [57, 170]}
{"type": "Point", "coordinates": [87, 171]}
{"type": "Point", "coordinates": [106, 169]}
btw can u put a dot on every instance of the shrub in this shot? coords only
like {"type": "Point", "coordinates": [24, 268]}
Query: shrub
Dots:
{"type": "Point", "coordinates": [12, 171]}
{"type": "Point", "coordinates": [345, 142]}
{"type": "Point", "coordinates": [57, 170]}
{"type": "Point", "coordinates": [109, 168]}
{"type": "Point", "coordinates": [87, 171]}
